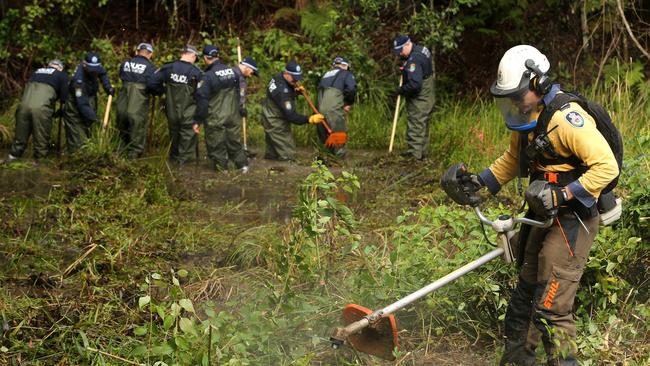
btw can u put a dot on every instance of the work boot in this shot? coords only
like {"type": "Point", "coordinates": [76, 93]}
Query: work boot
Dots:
{"type": "Point", "coordinates": [517, 351]}
{"type": "Point", "coordinates": [9, 159]}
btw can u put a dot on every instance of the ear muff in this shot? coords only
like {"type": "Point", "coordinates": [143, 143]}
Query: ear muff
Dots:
{"type": "Point", "coordinates": [540, 83]}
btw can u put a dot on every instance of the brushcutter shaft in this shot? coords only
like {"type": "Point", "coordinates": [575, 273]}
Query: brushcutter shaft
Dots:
{"type": "Point", "coordinates": [440, 282]}
{"type": "Point", "coordinates": [343, 333]}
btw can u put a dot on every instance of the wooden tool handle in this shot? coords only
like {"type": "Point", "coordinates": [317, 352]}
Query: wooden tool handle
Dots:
{"type": "Point", "coordinates": [313, 108]}
{"type": "Point", "coordinates": [108, 111]}
{"type": "Point", "coordinates": [392, 133]}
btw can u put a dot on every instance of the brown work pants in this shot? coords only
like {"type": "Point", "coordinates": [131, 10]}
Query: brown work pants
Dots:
{"type": "Point", "coordinates": [554, 261]}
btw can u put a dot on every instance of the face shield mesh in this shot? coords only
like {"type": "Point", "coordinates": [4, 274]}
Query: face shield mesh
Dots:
{"type": "Point", "coordinates": [516, 118]}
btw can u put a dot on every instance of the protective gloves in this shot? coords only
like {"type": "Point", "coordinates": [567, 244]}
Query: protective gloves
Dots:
{"type": "Point", "coordinates": [545, 199]}
{"type": "Point", "coordinates": [243, 112]}
{"type": "Point", "coordinates": [299, 89]}
{"type": "Point", "coordinates": [58, 113]}
{"type": "Point", "coordinates": [316, 118]}
{"type": "Point", "coordinates": [472, 180]}
{"type": "Point", "coordinates": [111, 91]}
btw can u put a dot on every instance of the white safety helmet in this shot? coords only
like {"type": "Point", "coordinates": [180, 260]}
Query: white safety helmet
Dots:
{"type": "Point", "coordinates": [518, 66]}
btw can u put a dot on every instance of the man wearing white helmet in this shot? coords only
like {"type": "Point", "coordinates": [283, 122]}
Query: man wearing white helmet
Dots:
{"type": "Point", "coordinates": [569, 163]}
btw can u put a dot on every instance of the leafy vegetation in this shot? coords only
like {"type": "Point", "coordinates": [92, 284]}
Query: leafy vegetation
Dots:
{"type": "Point", "coordinates": [103, 259]}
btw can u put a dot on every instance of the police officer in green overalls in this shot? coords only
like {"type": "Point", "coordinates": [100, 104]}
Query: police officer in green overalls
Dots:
{"type": "Point", "coordinates": [218, 107]}
{"type": "Point", "coordinates": [80, 109]}
{"type": "Point", "coordinates": [336, 93]}
{"type": "Point", "coordinates": [279, 112]}
{"type": "Point", "coordinates": [36, 109]}
{"type": "Point", "coordinates": [178, 81]}
{"type": "Point", "coordinates": [133, 101]}
{"type": "Point", "coordinates": [417, 88]}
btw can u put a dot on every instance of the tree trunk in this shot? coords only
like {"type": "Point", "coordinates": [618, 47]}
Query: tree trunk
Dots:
{"type": "Point", "coordinates": [583, 25]}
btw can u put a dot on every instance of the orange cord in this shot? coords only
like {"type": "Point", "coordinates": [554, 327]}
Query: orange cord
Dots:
{"type": "Point", "coordinates": [564, 235]}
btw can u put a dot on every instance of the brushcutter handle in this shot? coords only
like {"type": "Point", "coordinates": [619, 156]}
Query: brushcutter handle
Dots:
{"type": "Point", "coordinates": [506, 222]}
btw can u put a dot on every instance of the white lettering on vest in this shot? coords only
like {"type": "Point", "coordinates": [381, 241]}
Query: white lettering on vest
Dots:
{"type": "Point", "coordinates": [224, 72]}
{"type": "Point", "coordinates": [46, 70]}
{"type": "Point", "coordinates": [182, 79]}
{"type": "Point", "coordinates": [134, 67]}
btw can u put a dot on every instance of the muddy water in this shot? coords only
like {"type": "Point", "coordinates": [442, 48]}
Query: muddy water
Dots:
{"type": "Point", "coordinates": [29, 179]}
{"type": "Point", "coordinates": [267, 193]}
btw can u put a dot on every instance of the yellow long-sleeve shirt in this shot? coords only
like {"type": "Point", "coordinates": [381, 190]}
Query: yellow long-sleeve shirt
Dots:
{"type": "Point", "coordinates": [574, 133]}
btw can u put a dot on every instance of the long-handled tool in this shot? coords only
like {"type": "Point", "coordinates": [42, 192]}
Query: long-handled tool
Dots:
{"type": "Point", "coordinates": [395, 116]}
{"type": "Point", "coordinates": [107, 112]}
{"type": "Point", "coordinates": [243, 119]}
{"type": "Point", "coordinates": [59, 143]}
{"type": "Point", "coordinates": [375, 332]}
{"type": "Point", "coordinates": [337, 138]}
{"type": "Point", "coordinates": [152, 119]}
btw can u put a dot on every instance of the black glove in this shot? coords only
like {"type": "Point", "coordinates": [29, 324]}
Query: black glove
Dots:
{"type": "Point", "coordinates": [243, 112]}
{"type": "Point", "coordinates": [58, 113]}
{"type": "Point", "coordinates": [545, 199]}
{"type": "Point", "coordinates": [396, 92]}
{"type": "Point", "coordinates": [111, 91]}
{"type": "Point", "coordinates": [461, 186]}
{"type": "Point", "coordinates": [471, 181]}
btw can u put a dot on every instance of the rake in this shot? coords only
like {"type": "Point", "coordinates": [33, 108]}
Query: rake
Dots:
{"type": "Point", "coordinates": [334, 139]}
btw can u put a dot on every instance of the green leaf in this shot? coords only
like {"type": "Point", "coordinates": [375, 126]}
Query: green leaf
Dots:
{"type": "Point", "coordinates": [144, 301]}
{"type": "Point", "coordinates": [140, 331]}
{"type": "Point", "coordinates": [187, 326]}
{"type": "Point", "coordinates": [162, 350]}
{"type": "Point", "coordinates": [182, 273]}
{"type": "Point", "coordinates": [139, 350]}
{"type": "Point", "coordinates": [156, 276]}
{"type": "Point", "coordinates": [186, 304]}
{"type": "Point", "coordinates": [168, 322]}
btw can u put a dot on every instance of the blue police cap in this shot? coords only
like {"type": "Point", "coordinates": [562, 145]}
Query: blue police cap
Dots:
{"type": "Point", "coordinates": [340, 61]}
{"type": "Point", "coordinates": [399, 42]}
{"type": "Point", "coordinates": [145, 46]}
{"type": "Point", "coordinates": [294, 70]}
{"type": "Point", "coordinates": [210, 51]}
{"type": "Point", "coordinates": [249, 62]}
{"type": "Point", "coordinates": [92, 59]}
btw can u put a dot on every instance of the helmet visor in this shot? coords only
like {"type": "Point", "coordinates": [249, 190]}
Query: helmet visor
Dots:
{"type": "Point", "coordinates": [515, 115]}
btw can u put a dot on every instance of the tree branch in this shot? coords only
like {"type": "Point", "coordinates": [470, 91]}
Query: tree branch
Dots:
{"type": "Point", "coordinates": [629, 30]}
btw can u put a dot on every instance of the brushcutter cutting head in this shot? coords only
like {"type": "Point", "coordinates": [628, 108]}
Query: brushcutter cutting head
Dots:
{"type": "Point", "coordinates": [456, 182]}
{"type": "Point", "coordinates": [378, 338]}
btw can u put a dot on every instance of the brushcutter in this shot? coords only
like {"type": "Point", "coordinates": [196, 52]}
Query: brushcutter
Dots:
{"type": "Point", "coordinates": [375, 332]}
{"type": "Point", "coordinates": [333, 138]}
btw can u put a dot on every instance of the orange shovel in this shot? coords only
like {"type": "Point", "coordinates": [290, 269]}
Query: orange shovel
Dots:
{"type": "Point", "coordinates": [333, 138]}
